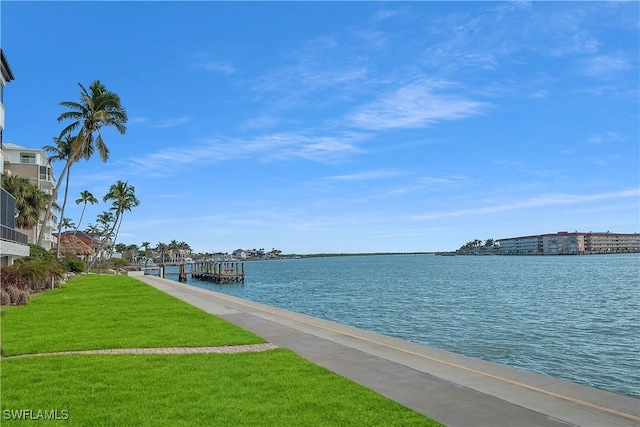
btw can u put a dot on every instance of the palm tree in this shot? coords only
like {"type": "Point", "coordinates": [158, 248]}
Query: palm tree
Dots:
{"type": "Point", "coordinates": [62, 151]}
{"type": "Point", "coordinates": [85, 197]}
{"type": "Point", "coordinates": [104, 223]}
{"type": "Point", "coordinates": [132, 252]}
{"type": "Point", "coordinates": [174, 246]}
{"type": "Point", "coordinates": [124, 199]}
{"type": "Point", "coordinates": [66, 223]}
{"type": "Point", "coordinates": [98, 107]}
{"type": "Point", "coordinates": [121, 248]}
{"type": "Point", "coordinates": [92, 229]}
{"type": "Point", "coordinates": [162, 248]}
{"type": "Point", "coordinates": [30, 200]}
{"type": "Point", "coordinates": [185, 249]}
{"type": "Point", "coordinates": [146, 245]}
{"type": "Point", "coordinates": [104, 220]}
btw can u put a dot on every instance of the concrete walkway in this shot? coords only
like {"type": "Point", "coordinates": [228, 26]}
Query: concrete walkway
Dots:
{"type": "Point", "coordinates": [453, 389]}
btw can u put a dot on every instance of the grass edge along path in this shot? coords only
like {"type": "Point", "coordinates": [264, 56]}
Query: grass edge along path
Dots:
{"type": "Point", "coordinates": [275, 387]}
{"type": "Point", "coordinates": [94, 312]}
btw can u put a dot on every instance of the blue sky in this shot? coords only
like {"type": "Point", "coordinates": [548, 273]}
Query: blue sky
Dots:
{"type": "Point", "coordinates": [343, 126]}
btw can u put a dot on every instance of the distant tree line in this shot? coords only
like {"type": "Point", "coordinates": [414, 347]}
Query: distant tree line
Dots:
{"type": "Point", "coordinates": [477, 247]}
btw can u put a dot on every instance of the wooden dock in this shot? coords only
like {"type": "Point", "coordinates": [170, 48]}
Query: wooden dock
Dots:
{"type": "Point", "coordinates": [218, 272]}
{"type": "Point", "coordinates": [161, 271]}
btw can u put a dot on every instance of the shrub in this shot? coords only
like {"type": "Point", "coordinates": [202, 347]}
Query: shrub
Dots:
{"type": "Point", "coordinates": [18, 296]}
{"type": "Point", "coordinates": [73, 264]}
{"type": "Point", "coordinates": [38, 252]}
{"type": "Point", "coordinates": [119, 262]}
{"type": "Point", "coordinates": [5, 299]}
{"type": "Point", "coordinates": [9, 277]}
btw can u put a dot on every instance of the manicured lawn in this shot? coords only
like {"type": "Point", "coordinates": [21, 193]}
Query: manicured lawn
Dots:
{"type": "Point", "coordinates": [102, 312]}
{"type": "Point", "coordinates": [272, 388]}
{"type": "Point", "coordinates": [275, 388]}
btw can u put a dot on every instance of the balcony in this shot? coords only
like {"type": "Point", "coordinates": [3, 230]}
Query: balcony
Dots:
{"type": "Point", "coordinates": [11, 235]}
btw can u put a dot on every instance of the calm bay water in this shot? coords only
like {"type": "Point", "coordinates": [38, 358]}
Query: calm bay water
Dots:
{"type": "Point", "coordinates": [570, 317]}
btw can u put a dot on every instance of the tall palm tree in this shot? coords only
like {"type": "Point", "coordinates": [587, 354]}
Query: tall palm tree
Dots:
{"type": "Point", "coordinates": [124, 199]}
{"type": "Point", "coordinates": [98, 107]}
{"type": "Point", "coordinates": [62, 151]}
{"type": "Point", "coordinates": [30, 201]}
{"type": "Point", "coordinates": [85, 197]}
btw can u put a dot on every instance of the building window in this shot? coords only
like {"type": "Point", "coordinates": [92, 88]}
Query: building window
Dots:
{"type": "Point", "coordinates": [29, 158]}
{"type": "Point", "coordinates": [45, 173]}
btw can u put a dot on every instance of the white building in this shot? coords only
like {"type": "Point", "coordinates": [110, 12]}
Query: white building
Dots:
{"type": "Point", "coordinates": [571, 243]}
{"type": "Point", "coordinates": [33, 164]}
{"type": "Point", "coordinates": [13, 243]}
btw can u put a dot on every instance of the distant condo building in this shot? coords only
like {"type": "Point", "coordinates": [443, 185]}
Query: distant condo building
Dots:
{"type": "Point", "coordinates": [566, 243]}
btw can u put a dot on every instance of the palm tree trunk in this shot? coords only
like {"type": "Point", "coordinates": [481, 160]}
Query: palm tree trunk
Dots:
{"type": "Point", "coordinates": [54, 196]}
{"type": "Point", "coordinates": [64, 203]}
{"type": "Point", "coordinates": [80, 221]}
{"type": "Point", "coordinates": [115, 237]}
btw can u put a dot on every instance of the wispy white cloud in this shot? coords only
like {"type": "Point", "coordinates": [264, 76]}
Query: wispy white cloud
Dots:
{"type": "Point", "coordinates": [203, 61]}
{"type": "Point", "coordinates": [166, 123]}
{"type": "Point", "coordinates": [605, 138]}
{"type": "Point", "coordinates": [169, 123]}
{"type": "Point", "coordinates": [368, 175]}
{"type": "Point", "coordinates": [534, 202]}
{"type": "Point", "coordinates": [138, 120]}
{"type": "Point", "coordinates": [415, 105]}
{"type": "Point", "coordinates": [278, 146]}
{"type": "Point", "coordinates": [220, 66]}
{"type": "Point", "coordinates": [606, 66]}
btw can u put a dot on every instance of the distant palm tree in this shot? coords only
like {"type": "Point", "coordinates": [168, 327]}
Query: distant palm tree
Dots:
{"type": "Point", "coordinates": [173, 247]}
{"type": "Point", "coordinates": [146, 245]}
{"type": "Point", "coordinates": [85, 197]}
{"type": "Point", "coordinates": [185, 248]}
{"type": "Point", "coordinates": [105, 220]}
{"type": "Point", "coordinates": [101, 231]}
{"type": "Point", "coordinates": [132, 252]}
{"type": "Point", "coordinates": [98, 107]}
{"type": "Point", "coordinates": [162, 248]}
{"type": "Point", "coordinates": [124, 199]}
{"type": "Point", "coordinates": [92, 229]}
{"type": "Point", "coordinates": [66, 223]}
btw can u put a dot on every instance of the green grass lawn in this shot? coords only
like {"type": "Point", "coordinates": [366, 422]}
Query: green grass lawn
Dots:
{"type": "Point", "coordinates": [275, 388]}
{"type": "Point", "coordinates": [272, 388]}
{"type": "Point", "coordinates": [103, 312]}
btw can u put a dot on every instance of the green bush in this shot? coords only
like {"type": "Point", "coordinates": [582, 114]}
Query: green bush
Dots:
{"type": "Point", "coordinates": [119, 262]}
{"type": "Point", "coordinates": [73, 264]}
{"type": "Point", "coordinates": [38, 252]}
